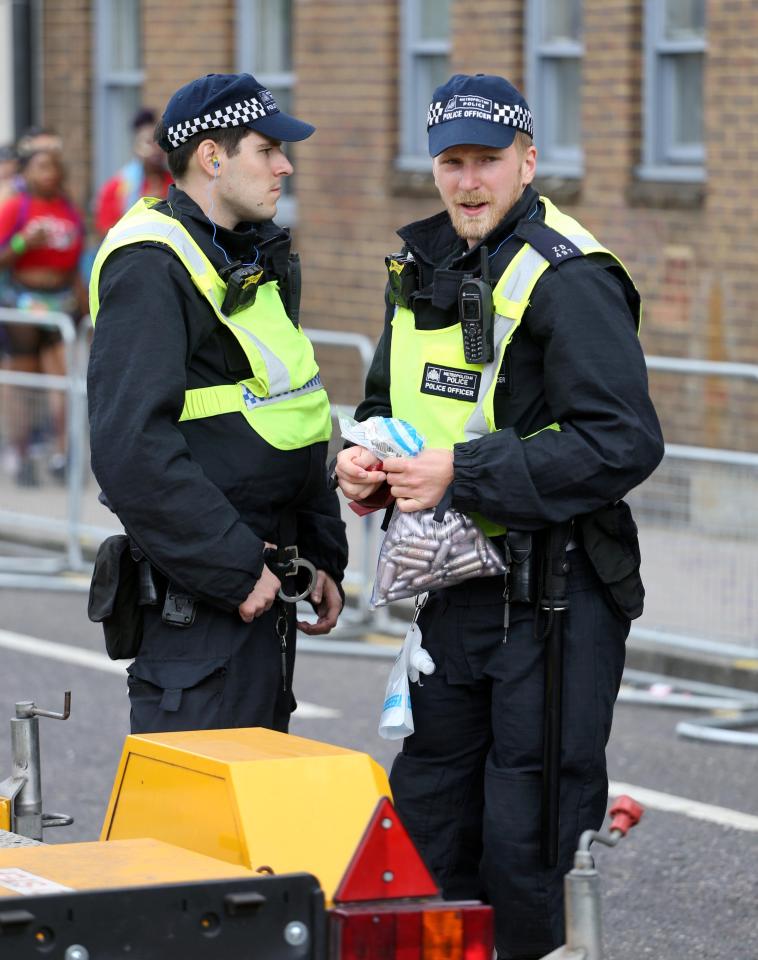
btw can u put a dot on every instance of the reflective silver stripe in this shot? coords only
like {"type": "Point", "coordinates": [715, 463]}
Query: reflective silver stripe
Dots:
{"type": "Point", "coordinates": [278, 374]}
{"type": "Point", "coordinates": [586, 243]}
{"type": "Point", "coordinates": [310, 387]}
{"type": "Point", "coordinates": [517, 284]}
{"type": "Point", "coordinates": [516, 287]}
{"type": "Point", "coordinates": [156, 228]}
{"type": "Point", "coordinates": [476, 425]}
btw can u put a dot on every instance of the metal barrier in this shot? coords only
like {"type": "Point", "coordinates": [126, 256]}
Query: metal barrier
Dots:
{"type": "Point", "coordinates": [699, 536]}
{"type": "Point", "coordinates": [696, 514]}
{"type": "Point", "coordinates": [363, 532]}
{"type": "Point", "coordinates": [58, 514]}
{"type": "Point", "coordinates": [27, 508]}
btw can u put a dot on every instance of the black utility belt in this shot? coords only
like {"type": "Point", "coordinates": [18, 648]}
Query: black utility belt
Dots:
{"type": "Point", "coordinates": [180, 607]}
{"type": "Point", "coordinates": [523, 554]}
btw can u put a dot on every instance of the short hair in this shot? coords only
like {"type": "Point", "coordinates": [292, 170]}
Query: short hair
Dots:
{"type": "Point", "coordinates": [522, 142]}
{"type": "Point", "coordinates": [178, 159]}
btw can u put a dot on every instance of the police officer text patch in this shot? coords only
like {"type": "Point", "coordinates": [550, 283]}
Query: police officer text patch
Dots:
{"type": "Point", "coordinates": [450, 382]}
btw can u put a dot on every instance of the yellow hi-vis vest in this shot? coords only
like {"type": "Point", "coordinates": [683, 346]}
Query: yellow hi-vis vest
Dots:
{"type": "Point", "coordinates": [284, 400]}
{"type": "Point", "coordinates": [428, 371]}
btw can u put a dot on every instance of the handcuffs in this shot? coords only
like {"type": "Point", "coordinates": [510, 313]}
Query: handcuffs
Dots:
{"type": "Point", "coordinates": [285, 562]}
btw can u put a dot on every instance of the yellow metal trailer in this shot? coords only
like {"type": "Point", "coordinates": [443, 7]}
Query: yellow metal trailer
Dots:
{"type": "Point", "coordinates": [225, 845]}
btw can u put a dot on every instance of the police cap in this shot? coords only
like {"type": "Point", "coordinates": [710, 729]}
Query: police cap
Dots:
{"type": "Point", "coordinates": [479, 109]}
{"type": "Point", "coordinates": [227, 100]}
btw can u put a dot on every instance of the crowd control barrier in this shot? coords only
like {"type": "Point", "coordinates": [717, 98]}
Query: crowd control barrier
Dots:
{"type": "Point", "coordinates": [699, 537]}
{"type": "Point", "coordinates": [696, 515]}
{"type": "Point", "coordinates": [38, 507]}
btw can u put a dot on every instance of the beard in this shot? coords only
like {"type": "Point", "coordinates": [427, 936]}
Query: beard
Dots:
{"type": "Point", "coordinates": [476, 228]}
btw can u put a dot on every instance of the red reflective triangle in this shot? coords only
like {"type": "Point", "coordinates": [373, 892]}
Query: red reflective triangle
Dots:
{"type": "Point", "coordinates": [386, 864]}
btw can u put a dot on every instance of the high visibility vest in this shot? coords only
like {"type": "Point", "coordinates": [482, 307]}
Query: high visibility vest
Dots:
{"type": "Point", "coordinates": [432, 386]}
{"type": "Point", "coordinates": [283, 400]}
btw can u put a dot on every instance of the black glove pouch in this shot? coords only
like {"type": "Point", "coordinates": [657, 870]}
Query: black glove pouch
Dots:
{"type": "Point", "coordinates": [114, 598]}
{"type": "Point", "coordinates": [609, 536]}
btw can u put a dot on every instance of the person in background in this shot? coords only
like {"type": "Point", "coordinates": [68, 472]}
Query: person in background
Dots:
{"type": "Point", "coordinates": [41, 241]}
{"type": "Point", "coordinates": [8, 171]}
{"type": "Point", "coordinates": [146, 175]}
{"type": "Point", "coordinates": [39, 138]}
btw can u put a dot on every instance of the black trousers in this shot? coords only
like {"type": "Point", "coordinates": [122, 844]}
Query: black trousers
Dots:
{"type": "Point", "coordinates": [467, 783]}
{"type": "Point", "coordinates": [218, 673]}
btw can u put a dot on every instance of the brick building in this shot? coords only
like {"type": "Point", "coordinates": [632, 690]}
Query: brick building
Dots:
{"type": "Point", "coordinates": [646, 115]}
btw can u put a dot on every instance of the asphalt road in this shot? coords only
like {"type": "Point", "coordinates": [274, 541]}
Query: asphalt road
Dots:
{"type": "Point", "coordinates": [679, 887]}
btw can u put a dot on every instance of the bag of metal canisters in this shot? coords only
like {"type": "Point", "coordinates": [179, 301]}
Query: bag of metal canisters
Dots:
{"type": "Point", "coordinates": [419, 553]}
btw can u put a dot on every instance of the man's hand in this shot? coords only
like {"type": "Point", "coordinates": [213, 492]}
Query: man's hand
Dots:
{"type": "Point", "coordinates": [262, 596]}
{"type": "Point", "coordinates": [419, 483]}
{"type": "Point", "coordinates": [355, 481]}
{"type": "Point", "coordinates": [326, 601]}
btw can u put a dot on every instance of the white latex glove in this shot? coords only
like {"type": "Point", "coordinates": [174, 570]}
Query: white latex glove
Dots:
{"type": "Point", "coordinates": [419, 660]}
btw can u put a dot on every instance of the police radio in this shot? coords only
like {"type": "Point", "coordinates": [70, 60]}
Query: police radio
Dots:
{"type": "Point", "coordinates": [476, 316]}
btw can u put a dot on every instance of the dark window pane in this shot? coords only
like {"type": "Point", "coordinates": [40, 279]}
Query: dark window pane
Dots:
{"type": "Point", "coordinates": [561, 20]}
{"type": "Point", "coordinates": [434, 19]}
{"type": "Point", "coordinates": [688, 100]}
{"type": "Point", "coordinates": [685, 19]}
{"type": "Point", "coordinates": [273, 41]}
{"type": "Point", "coordinates": [567, 78]}
{"type": "Point", "coordinates": [125, 47]}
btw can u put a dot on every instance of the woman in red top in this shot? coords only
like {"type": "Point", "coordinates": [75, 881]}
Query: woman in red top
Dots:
{"type": "Point", "coordinates": [41, 241]}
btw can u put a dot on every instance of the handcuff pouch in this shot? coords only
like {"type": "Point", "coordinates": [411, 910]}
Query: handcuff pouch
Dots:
{"type": "Point", "coordinates": [114, 598]}
{"type": "Point", "coordinates": [609, 537]}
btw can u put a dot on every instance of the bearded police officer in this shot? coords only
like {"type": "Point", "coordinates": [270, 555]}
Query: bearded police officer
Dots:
{"type": "Point", "coordinates": [510, 343]}
{"type": "Point", "coordinates": [209, 421]}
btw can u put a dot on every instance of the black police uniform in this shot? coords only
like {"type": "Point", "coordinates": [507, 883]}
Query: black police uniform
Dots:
{"type": "Point", "coordinates": [467, 783]}
{"type": "Point", "coordinates": [200, 497]}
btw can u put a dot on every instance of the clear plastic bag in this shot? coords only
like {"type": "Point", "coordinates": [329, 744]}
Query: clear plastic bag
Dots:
{"type": "Point", "coordinates": [396, 720]}
{"type": "Point", "coordinates": [383, 436]}
{"type": "Point", "coordinates": [420, 554]}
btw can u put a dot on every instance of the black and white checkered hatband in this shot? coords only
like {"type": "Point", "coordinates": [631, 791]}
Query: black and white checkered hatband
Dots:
{"type": "Point", "coordinates": [511, 115]}
{"type": "Point", "coordinates": [235, 115]}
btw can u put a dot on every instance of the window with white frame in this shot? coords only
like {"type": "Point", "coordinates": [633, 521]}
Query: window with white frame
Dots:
{"type": "Point", "coordinates": [675, 43]}
{"type": "Point", "coordinates": [554, 51]}
{"type": "Point", "coordinates": [425, 65]}
{"type": "Point", "coordinates": [118, 82]}
{"type": "Point", "coordinates": [264, 48]}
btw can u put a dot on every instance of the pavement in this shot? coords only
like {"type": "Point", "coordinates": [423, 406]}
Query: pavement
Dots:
{"type": "Point", "coordinates": [692, 629]}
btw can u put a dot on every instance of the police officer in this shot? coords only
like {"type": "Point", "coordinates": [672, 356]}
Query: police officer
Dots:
{"type": "Point", "coordinates": [209, 421]}
{"type": "Point", "coordinates": [510, 343]}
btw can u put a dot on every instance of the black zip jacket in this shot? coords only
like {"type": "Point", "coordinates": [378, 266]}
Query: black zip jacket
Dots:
{"type": "Point", "coordinates": [575, 360]}
{"type": "Point", "coordinates": [199, 497]}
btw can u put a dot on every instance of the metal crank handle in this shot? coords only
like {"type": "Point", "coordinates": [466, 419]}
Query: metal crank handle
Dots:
{"type": "Point", "coordinates": [294, 598]}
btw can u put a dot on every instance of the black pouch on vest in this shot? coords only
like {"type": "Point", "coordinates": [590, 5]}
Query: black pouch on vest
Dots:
{"type": "Point", "coordinates": [292, 289]}
{"type": "Point", "coordinates": [609, 536]}
{"type": "Point", "coordinates": [114, 598]}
